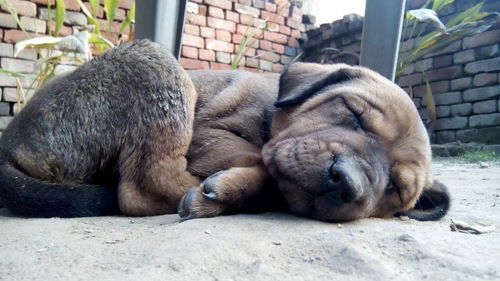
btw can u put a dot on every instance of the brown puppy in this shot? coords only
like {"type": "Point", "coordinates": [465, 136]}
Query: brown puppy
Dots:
{"type": "Point", "coordinates": [344, 143]}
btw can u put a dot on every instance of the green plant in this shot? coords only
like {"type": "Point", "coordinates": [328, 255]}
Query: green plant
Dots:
{"type": "Point", "coordinates": [53, 50]}
{"type": "Point", "coordinates": [466, 23]}
{"type": "Point", "coordinates": [478, 155]}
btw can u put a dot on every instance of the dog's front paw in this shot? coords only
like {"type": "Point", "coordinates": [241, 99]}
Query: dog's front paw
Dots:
{"type": "Point", "coordinates": [203, 201]}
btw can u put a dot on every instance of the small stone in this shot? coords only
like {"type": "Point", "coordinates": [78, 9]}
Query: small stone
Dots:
{"type": "Point", "coordinates": [277, 243]}
{"type": "Point", "coordinates": [340, 226]}
{"type": "Point", "coordinates": [404, 218]}
{"type": "Point", "coordinates": [406, 238]}
{"type": "Point", "coordinates": [483, 165]}
{"type": "Point", "coordinates": [207, 232]}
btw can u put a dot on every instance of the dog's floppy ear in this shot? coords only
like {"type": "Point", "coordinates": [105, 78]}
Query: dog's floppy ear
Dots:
{"type": "Point", "coordinates": [301, 81]}
{"type": "Point", "coordinates": [433, 204]}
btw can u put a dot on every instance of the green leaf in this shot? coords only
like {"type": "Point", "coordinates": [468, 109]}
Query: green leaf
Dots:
{"type": "Point", "coordinates": [98, 39]}
{"type": "Point", "coordinates": [37, 42]}
{"type": "Point", "coordinates": [467, 15]}
{"type": "Point", "coordinates": [84, 8]}
{"type": "Point", "coordinates": [110, 7]}
{"type": "Point", "coordinates": [129, 19]}
{"type": "Point", "coordinates": [15, 74]}
{"type": "Point", "coordinates": [439, 4]}
{"type": "Point", "coordinates": [60, 11]}
{"type": "Point", "coordinates": [94, 5]}
{"type": "Point", "coordinates": [431, 104]}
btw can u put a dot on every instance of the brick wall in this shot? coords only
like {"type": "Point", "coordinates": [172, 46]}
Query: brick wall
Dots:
{"type": "Point", "coordinates": [464, 77]}
{"type": "Point", "coordinates": [214, 30]}
{"type": "Point", "coordinates": [33, 17]}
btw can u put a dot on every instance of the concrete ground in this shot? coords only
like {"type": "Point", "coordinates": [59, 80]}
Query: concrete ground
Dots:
{"type": "Point", "coordinates": [270, 246]}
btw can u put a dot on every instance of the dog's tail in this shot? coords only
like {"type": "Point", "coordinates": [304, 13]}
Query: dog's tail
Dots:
{"type": "Point", "coordinates": [26, 196]}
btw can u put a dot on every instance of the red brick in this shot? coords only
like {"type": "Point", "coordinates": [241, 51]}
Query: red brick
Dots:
{"type": "Point", "coordinates": [192, 29]}
{"type": "Point", "coordinates": [246, 2]}
{"type": "Point", "coordinates": [194, 64]}
{"type": "Point", "coordinates": [295, 34]}
{"type": "Point", "coordinates": [292, 23]}
{"type": "Point", "coordinates": [215, 12]}
{"type": "Point", "coordinates": [266, 45]}
{"type": "Point", "coordinates": [203, 10]}
{"type": "Point", "coordinates": [255, 32]}
{"type": "Point", "coordinates": [208, 55]}
{"type": "Point", "coordinates": [223, 57]}
{"type": "Point", "coordinates": [252, 42]}
{"type": "Point", "coordinates": [224, 4]}
{"type": "Point", "coordinates": [221, 24]}
{"type": "Point", "coordinates": [237, 38]}
{"type": "Point", "coordinates": [114, 28]}
{"type": "Point", "coordinates": [44, 2]}
{"type": "Point", "coordinates": [277, 67]}
{"type": "Point", "coordinates": [256, 70]}
{"type": "Point", "coordinates": [219, 46]}
{"type": "Point", "coordinates": [274, 27]}
{"type": "Point", "coordinates": [296, 13]}
{"type": "Point", "coordinates": [283, 8]}
{"type": "Point", "coordinates": [232, 16]}
{"type": "Point", "coordinates": [126, 4]}
{"type": "Point", "coordinates": [285, 30]}
{"type": "Point", "coordinates": [293, 42]}
{"type": "Point", "coordinates": [65, 30]}
{"type": "Point", "coordinates": [22, 8]}
{"type": "Point", "coordinates": [189, 52]}
{"type": "Point", "coordinates": [275, 37]}
{"type": "Point", "coordinates": [246, 10]}
{"type": "Point", "coordinates": [270, 7]}
{"type": "Point", "coordinates": [120, 15]}
{"type": "Point", "coordinates": [223, 35]}
{"type": "Point", "coordinates": [193, 41]}
{"type": "Point", "coordinates": [71, 5]}
{"type": "Point", "coordinates": [268, 55]}
{"type": "Point", "coordinates": [207, 32]}
{"type": "Point", "coordinates": [271, 17]}
{"type": "Point", "coordinates": [219, 66]}
{"type": "Point", "coordinates": [278, 48]}
{"type": "Point", "coordinates": [246, 19]}
{"type": "Point", "coordinates": [251, 52]}
{"type": "Point", "coordinates": [252, 62]}
{"type": "Point", "coordinates": [14, 35]}
{"type": "Point", "coordinates": [196, 19]}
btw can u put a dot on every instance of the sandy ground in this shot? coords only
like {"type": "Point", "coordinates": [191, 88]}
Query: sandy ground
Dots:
{"type": "Point", "coordinates": [271, 246]}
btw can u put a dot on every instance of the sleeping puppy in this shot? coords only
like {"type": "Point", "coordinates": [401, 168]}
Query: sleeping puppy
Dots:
{"type": "Point", "coordinates": [131, 133]}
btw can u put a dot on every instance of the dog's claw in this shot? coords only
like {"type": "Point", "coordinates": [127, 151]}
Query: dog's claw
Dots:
{"type": "Point", "coordinates": [209, 186]}
{"type": "Point", "coordinates": [184, 208]}
{"type": "Point", "coordinates": [210, 195]}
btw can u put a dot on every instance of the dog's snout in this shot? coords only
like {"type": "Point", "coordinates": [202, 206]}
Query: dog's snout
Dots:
{"type": "Point", "coordinates": [344, 182]}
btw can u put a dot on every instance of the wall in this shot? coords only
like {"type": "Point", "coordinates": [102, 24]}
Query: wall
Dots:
{"type": "Point", "coordinates": [215, 28]}
{"type": "Point", "coordinates": [465, 78]}
{"type": "Point", "coordinates": [33, 17]}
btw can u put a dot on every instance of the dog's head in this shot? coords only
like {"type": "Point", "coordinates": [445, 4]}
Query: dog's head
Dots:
{"type": "Point", "coordinates": [346, 143]}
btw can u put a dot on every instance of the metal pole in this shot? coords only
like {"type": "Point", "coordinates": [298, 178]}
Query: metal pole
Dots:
{"type": "Point", "coordinates": [161, 21]}
{"type": "Point", "coordinates": [381, 35]}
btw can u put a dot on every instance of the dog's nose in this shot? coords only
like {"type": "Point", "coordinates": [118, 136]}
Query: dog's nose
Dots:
{"type": "Point", "coordinates": [344, 182]}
